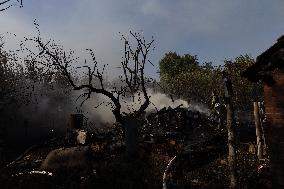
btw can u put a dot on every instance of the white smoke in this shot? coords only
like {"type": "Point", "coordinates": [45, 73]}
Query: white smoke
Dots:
{"type": "Point", "coordinates": [158, 101]}
{"type": "Point", "coordinates": [103, 113]}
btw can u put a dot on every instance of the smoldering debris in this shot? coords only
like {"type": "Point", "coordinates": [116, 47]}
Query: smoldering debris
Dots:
{"type": "Point", "coordinates": [102, 114]}
{"type": "Point", "coordinates": [205, 147]}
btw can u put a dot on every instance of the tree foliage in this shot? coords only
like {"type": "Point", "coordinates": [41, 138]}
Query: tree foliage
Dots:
{"type": "Point", "coordinates": [173, 64]}
{"type": "Point", "coordinates": [244, 91]}
{"type": "Point", "coordinates": [184, 77]}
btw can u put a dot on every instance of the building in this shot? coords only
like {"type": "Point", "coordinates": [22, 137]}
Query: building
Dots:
{"type": "Point", "coordinates": [269, 68]}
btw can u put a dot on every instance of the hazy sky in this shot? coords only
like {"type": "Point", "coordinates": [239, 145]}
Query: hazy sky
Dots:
{"type": "Point", "coordinates": [214, 30]}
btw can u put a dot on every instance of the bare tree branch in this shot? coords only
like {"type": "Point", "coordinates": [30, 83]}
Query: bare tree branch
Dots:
{"type": "Point", "coordinates": [61, 63]}
{"type": "Point", "coordinates": [8, 6]}
{"type": "Point", "coordinates": [1, 3]}
{"type": "Point", "coordinates": [137, 78]}
{"type": "Point", "coordinates": [52, 56]}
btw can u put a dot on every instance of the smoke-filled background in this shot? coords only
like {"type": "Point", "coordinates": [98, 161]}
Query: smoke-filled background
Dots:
{"type": "Point", "coordinates": [47, 115]}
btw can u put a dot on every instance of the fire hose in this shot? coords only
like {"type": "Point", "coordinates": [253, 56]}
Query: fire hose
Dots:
{"type": "Point", "coordinates": [166, 172]}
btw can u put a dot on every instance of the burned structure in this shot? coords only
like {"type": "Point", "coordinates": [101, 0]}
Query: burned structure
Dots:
{"type": "Point", "coordinates": [269, 68]}
{"type": "Point", "coordinates": [175, 119]}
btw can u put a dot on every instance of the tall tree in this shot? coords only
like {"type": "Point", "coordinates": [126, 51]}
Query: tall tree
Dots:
{"type": "Point", "coordinates": [52, 57]}
{"type": "Point", "coordinates": [184, 77]}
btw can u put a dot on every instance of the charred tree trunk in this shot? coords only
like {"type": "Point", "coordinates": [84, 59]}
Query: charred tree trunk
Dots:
{"type": "Point", "coordinates": [131, 137]}
{"type": "Point", "coordinates": [2, 131]}
{"type": "Point", "coordinates": [26, 126]}
{"type": "Point", "coordinates": [258, 131]}
{"type": "Point", "coordinates": [2, 140]}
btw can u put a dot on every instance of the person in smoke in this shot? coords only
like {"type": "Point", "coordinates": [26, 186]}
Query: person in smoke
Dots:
{"type": "Point", "coordinates": [214, 101]}
{"type": "Point", "coordinates": [217, 109]}
{"type": "Point", "coordinates": [214, 105]}
{"type": "Point", "coordinates": [228, 93]}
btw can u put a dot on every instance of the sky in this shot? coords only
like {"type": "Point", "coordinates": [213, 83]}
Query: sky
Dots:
{"type": "Point", "coordinates": [212, 30]}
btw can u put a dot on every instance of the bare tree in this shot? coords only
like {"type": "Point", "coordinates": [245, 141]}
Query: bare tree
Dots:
{"type": "Point", "coordinates": [4, 5]}
{"type": "Point", "coordinates": [52, 56]}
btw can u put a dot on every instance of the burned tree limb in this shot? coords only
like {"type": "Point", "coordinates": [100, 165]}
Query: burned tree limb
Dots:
{"type": "Point", "coordinates": [62, 64]}
{"type": "Point", "coordinates": [134, 76]}
{"type": "Point", "coordinates": [133, 66]}
{"type": "Point", "coordinates": [3, 3]}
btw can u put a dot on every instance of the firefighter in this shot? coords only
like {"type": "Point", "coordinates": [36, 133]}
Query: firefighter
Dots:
{"type": "Point", "coordinates": [217, 110]}
{"type": "Point", "coordinates": [214, 104]}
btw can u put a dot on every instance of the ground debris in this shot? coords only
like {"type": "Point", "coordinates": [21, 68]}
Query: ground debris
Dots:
{"type": "Point", "coordinates": [200, 162]}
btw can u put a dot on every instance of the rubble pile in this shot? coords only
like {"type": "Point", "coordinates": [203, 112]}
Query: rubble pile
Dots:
{"type": "Point", "coordinates": [179, 123]}
{"type": "Point", "coordinates": [98, 159]}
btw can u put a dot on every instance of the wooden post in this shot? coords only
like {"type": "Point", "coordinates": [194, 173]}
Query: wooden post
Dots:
{"type": "Point", "coordinates": [231, 131]}
{"type": "Point", "coordinates": [261, 118]}
{"type": "Point", "coordinates": [258, 131]}
{"type": "Point", "coordinates": [231, 146]}
{"type": "Point", "coordinates": [75, 122]}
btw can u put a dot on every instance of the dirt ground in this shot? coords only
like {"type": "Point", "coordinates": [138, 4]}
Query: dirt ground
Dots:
{"type": "Point", "coordinates": [199, 165]}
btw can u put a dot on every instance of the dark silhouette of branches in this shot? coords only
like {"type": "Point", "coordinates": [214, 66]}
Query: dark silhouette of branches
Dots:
{"type": "Point", "coordinates": [12, 88]}
{"type": "Point", "coordinates": [134, 75]}
{"type": "Point", "coordinates": [52, 56]}
{"type": "Point", "coordinates": [4, 5]}
{"type": "Point", "coordinates": [62, 62]}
